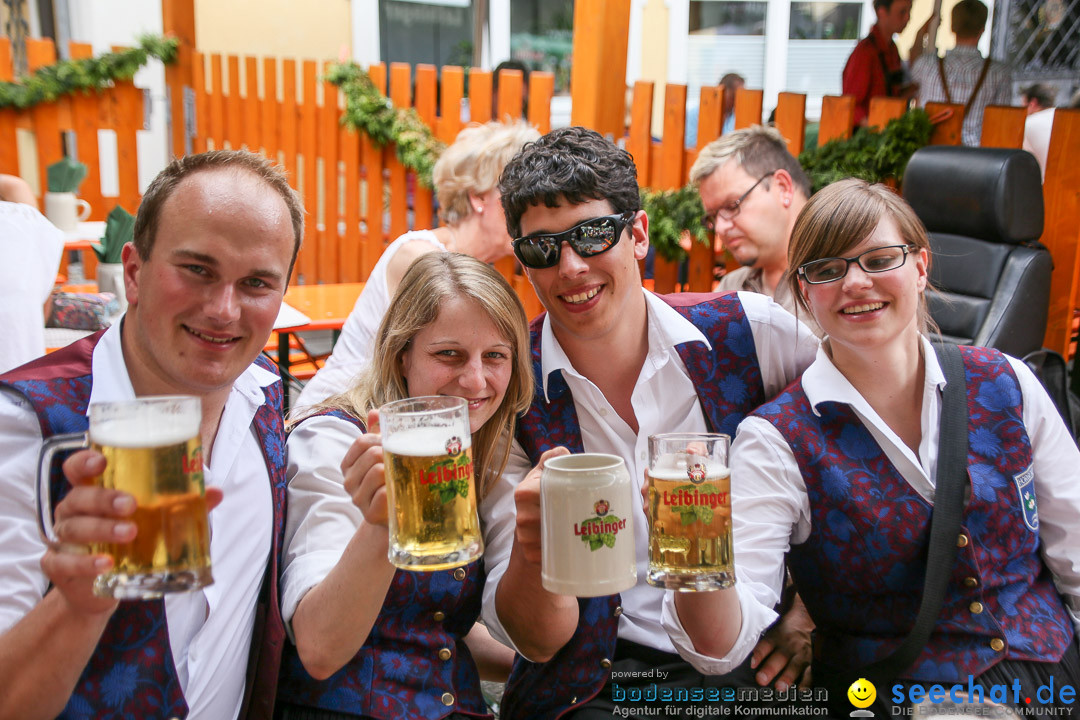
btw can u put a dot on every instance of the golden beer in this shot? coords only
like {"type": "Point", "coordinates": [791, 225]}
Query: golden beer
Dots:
{"type": "Point", "coordinates": [431, 494]}
{"type": "Point", "coordinates": [172, 546]}
{"type": "Point", "coordinates": [689, 491]}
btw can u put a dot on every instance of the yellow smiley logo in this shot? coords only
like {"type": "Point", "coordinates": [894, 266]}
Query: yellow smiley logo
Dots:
{"type": "Point", "coordinates": [862, 693]}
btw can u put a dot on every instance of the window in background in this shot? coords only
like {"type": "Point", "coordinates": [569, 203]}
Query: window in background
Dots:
{"type": "Point", "coordinates": [438, 32]}
{"type": "Point", "coordinates": [541, 36]}
{"type": "Point", "coordinates": [824, 21]}
{"type": "Point", "coordinates": [712, 17]}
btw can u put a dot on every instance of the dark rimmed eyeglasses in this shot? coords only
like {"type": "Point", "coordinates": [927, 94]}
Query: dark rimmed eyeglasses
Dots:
{"type": "Point", "coordinates": [877, 260]}
{"type": "Point", "coordinates": [590, 237]}
{"type": "Point", "coordinates": [732, 209]}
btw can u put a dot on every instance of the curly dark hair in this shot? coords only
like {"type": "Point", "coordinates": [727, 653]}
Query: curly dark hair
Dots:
{"type": "Point", "coordinates": [574, 163]}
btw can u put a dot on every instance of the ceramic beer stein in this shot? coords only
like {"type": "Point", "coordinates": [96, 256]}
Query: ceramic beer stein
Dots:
{"type": "Point", "coordinates": [587, 526]}
{"type": "Point", "coordinates": [60, 209]}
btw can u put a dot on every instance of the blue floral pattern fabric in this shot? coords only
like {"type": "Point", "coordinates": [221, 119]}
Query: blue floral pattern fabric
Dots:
{"type": "Point", "coordinates": [398, 674]}
{"type": "Point", "coordinates": [131, 674]}
{"type": "Point", "coordinates": [729, 385]}
{"type": "Point", "coordinates": [870, 533]}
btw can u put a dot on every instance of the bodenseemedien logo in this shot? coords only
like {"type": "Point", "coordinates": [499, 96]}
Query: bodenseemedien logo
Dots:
{"type": "Point", "coordinates": [862, 694]}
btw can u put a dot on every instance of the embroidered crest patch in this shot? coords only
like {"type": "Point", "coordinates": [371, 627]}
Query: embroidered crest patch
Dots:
{"type": "Point", "coordinates": [1026, 490]}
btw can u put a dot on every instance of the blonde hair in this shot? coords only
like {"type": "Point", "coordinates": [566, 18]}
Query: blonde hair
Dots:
{"type": "Point", "coordinates": [432, 280]}
{"type": "Point", "coordinates": [473, 164]}
{"type": "Point", "coordinates": [840, 216]}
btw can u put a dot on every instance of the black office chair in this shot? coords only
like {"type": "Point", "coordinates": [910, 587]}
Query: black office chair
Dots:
{"type": "Point", "coordinates": [983, 209]}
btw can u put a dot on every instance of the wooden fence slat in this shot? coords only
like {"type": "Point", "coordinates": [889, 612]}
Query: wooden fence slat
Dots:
{"type": "Point", "coordinates": [426, 91]}
{"type": "Point", "coordinates": [947, 131]}
{"type": "Point", "coordinates": [639, 143]}
{"type": "Point", "coordinates": [268, 110]}
{"type": "Point", "coordinates": [884, 109]}
{"type": "Point", "coordinates": [710, 108]}
{"type": "Point", "coordinates": [217, 103]}
{"type": "Point", "coordinates": [699, 272]}
{"type": "Point", "coordinates": [351, 271]}
{"type": "Point", "coordinates": [84, 118]}
{"type": "Point", "coordinates": [234, 118]}
{"type": "Point", "coordinates": [748, 104]}
{"type": "Point", "coordinates": [373, 172]}
{"type": "Point", "coordinates": [1061, 233]}
{"type": "Point", "coordinates": [9, 145]}
{"type": "Point", "coordinates": [289, 123]}
{"type": "Point", "coordinates": [202, 102]}
{"type": "Point", "coordinates": [541, 90]}
{"type": "Point", "coordinates": [1003, 127]}
{"type": "Point", "coordinates": [329, 242]}
{"type": "Point", "coordinates": [671, 156]}
{"type": "Point", "coordinates": [129, 120]}
{"type": "Point", "coordinates": [453, 90]}
{"type": "Point", "coordinates": [837, 118]}
{"type": "Point", "coordinates": [791, 120]}
{"type": "Point", "coordinates": [511, 92]}
{"type": "Point", "coordinates": [251, 105]}
{"type": "Point", "coordinates": [309, 150]}
{"type": "Point", "coordinates": [45, 116]}
{"type": "Point", "coordinates": [480, 94]}
{"type": "Point", "coordinates": [401, 96]}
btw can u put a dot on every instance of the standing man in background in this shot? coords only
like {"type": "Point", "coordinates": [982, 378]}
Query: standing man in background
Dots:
{"type": "Point", "coordinates": [963, 75]}
{"type": "Point", "coordinates": [875, 68]}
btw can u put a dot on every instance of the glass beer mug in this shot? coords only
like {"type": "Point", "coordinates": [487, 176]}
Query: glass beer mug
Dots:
{"type": "Point", "coordinates": [427, 453]}
{"type": "Point", "coordinates": [153, 452]}
{"type": "Point", "coordinates": [689, 487]}
{"type": "Point", "coordinates": [587, 526]}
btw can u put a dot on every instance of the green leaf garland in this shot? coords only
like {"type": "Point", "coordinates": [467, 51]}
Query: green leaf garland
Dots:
{"type": "Point", "coordinates": [670, 213]}
{"type": "Point", "coordinates": [52, 82]}
{"type": "Point", "coordinates": [368, 110]}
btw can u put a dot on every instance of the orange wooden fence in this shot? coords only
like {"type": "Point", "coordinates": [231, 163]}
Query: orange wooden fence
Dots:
{"type": "Point", "coordinates": [359, 197]}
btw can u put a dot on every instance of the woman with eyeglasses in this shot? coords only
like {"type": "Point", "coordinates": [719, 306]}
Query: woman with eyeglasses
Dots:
{"type": "Point", "coordinates": [839, 473]}
{"type": "Point", "coordinates": [466, 179]}
{"type": "Point", "coordinates": [369, 640]}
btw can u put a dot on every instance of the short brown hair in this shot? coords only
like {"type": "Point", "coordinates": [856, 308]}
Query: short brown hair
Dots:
{"type": "Point", "coordinates": [840, 216]}
{"type": "Point", "coordinates": [968, 18]}
{"type": "Point", "coordinates": [166, 182]}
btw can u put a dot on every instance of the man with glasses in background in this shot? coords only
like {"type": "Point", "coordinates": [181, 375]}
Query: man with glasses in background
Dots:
{"type": "Point", "coordinates": [752, 190]}
{"type": "Point", "coordinates": [615, 364]}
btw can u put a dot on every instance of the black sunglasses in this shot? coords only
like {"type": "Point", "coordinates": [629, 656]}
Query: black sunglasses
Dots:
{"type": "Point", "coordinates": [588, 238]}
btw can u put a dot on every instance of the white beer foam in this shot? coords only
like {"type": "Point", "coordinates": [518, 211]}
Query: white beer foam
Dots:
{"type": "Point", "coordinates": [422, 442]}
{"type": "Point", "coordinates": [675, 471]}
{"type": "Point", "coordinates": [145, 429]}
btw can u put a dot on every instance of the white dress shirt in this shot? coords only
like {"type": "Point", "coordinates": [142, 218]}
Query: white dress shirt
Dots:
{"type": "Point", "coordinates": [664, 400]}
{"type": "Point", "coordinates": [210, 630]}
{"type": "Point", "coordinates": [32, 246]}
{"type": "Point", "coordinates": [322, 518]}
{"type": "Point", "coordinates": [771, 510]}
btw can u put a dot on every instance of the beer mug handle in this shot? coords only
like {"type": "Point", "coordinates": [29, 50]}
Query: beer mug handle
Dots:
{"type": "Point", "coordinates": [53, 445]}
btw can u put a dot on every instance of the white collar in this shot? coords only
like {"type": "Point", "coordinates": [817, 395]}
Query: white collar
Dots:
{"type": "Point", "coordinates": [667, 329]}
{"type": "Point", "coordinates": [823, 382]}
{"type": "Point", "coordinates": [113, 384]}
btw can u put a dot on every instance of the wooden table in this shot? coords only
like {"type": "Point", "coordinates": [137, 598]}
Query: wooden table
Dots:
{"type": "Point", "coordinates": [326, 305]}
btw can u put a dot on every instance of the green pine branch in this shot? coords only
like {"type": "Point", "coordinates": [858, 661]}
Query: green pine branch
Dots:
{"type": "Point", "coordinates": [367, 110]}
{"type": "Point", "coordinates": [49, 83]}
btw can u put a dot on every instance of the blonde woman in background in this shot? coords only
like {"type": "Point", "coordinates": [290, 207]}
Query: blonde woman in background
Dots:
{"type": "Point", "coordinates": [466, 179]}
{"type": "Point", "coordinates": [370, 640]}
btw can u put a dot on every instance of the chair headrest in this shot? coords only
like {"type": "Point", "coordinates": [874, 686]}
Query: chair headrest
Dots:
{"type": "Point", "coordinates": [992, 194]}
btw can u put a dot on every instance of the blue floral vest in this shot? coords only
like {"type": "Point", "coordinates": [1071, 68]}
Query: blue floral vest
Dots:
{"type": "Point", "coordinates": [729, 386]}
{"type": "Point", "coordinates": [131, 674]}
{"type": "Point", "coordinates": [870, 532]}
{"type": "Point", "coordinates": [398, 673]}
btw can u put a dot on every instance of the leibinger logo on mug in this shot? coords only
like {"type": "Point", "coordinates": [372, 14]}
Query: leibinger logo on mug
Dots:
{"type": "Point", "coordinates": [599, 531]}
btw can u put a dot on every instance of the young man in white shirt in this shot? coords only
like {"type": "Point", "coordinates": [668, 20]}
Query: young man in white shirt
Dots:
{"type": "Point", "coordinates": [614, 364]}
{"type": "Point", "coordinates": [215, 240]}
